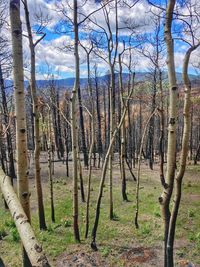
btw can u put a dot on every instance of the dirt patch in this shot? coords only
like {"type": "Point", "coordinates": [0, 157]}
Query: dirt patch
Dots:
{"type": "Point", "coordinates": [81, 259]}
{"type": "Point", "coordinates": [195, 197]}
{"type": "Point", "coordinates": [137, 256]}
{"type": "Point", "coordinates": [186, 263]}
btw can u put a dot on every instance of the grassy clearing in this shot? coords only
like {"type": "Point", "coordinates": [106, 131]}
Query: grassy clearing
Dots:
{"type": "Point", "coordinates": [113, 236]}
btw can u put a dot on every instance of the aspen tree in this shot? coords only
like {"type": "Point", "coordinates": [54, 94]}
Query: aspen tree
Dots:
{"type": "Point", "coordinates": [183, 158]}
{"type": "Point", "coordinates": [170, 217]}
{"type": "Point", "coordinates": [36, 117]}
{"type": "Point", "coordinates": [165, 198]}
{"type": "Point", "coordinates": [21, 135]}
{"type": "Point", "coordinates": [194, 44]}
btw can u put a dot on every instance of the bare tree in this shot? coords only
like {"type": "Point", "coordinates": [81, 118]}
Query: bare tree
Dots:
{"type": "Point", "coordinates": [36, 115]}
{"type": "Point", "coordinates": [74, 123]}
{"type": "Point", "coordinates": [169, 217]}
{"type": "Point", "coordinates": [171, 150]}
{"type": "Point", "coordinates": [192, 30]}
{"type": "Point", "coordinates": [103, 174]}
{"type": "Point", "coordinates": [21, 138]}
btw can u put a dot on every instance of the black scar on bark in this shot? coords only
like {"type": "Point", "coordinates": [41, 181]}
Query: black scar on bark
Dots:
{"type": "Point", "coordinates": [22, 130]}
{"type": "Point", "coordinates": [160, 199]}
{"type": "Point", "coordinates": [172, 121]}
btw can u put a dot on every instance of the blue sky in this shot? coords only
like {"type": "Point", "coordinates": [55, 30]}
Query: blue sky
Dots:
{"type": "Point", "coordinates": [52, 60]}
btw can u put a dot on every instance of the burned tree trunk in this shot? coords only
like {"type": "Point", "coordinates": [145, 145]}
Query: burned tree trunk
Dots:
{"type": "Point", "coordinates": [123, 136]}
{"type": "Point", "coordinates": [74, 127]}
{"type": "Point", "coordinates": [11, 167]}
{"type": "Point", "coordinates": [103, 174]}
{"type": "Point", "coordinates": [99, 135]}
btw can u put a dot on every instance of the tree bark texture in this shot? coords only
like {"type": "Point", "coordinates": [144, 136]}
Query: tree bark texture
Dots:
{"type": "Point", "coordinates": [36, 117]}
{"type": "Point", "coordinates": [29, 241]}
{"type": "Point", "coordinates": [21, 131]}
{"type": "Point", "coordinates": [172, 125]}
{"type": "Point", "coordinates": [74, 128]}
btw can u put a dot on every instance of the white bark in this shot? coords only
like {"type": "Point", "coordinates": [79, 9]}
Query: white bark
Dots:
{"type": "Point", "coordinates": [31, 245]}
{"type": "Point", "coordinates": [21, 135]}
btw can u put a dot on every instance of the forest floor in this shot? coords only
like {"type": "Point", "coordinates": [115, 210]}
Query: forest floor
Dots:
{"type": "Point", "coordinates": [119, 243]}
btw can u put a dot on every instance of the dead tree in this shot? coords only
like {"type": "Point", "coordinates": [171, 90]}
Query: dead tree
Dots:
{"type": "Point", "coordinates": [103, 174]}
{"type": "Point", "coordinates": [11, 167]}
{"type": "Point", "coordinates": [36, 116]}
{"type": "Point", "coordinates": [74, 125]}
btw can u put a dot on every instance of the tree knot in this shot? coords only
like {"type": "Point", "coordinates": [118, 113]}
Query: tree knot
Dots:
{"type": "Point", "coordinates": [22, 130]}
{"type": "Point", "coordinates": [160, 199]}
{"type": "Point", "coordinates": [25, 194]}
{"type": "Point", "coordinates": [172, 121]}
{"type": "Point", "coordinates": [38, 248]}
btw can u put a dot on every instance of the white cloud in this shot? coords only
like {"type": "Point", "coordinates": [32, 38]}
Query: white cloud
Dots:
{"type": "Point", "coordinates": [61, 63]}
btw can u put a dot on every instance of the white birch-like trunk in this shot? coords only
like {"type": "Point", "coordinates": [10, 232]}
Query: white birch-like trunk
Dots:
{"type": "Point", "coordinates": [171, 148]}
{"type": "Point", "coordinates": [20, 115]}
{"type": "Point", "coordinates": [29, 241]}
{"type": "Point", "coordinates": [36, 116]}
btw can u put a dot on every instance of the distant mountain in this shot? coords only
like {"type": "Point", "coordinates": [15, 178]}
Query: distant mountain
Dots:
{"type": "Point", "coordinates": [69, 82]}
{"type": "Point", "coordinates": [139, 77]}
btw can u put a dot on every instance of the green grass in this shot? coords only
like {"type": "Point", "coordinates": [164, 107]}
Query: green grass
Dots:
{"type": "Point", "coordinates": [112, 236]}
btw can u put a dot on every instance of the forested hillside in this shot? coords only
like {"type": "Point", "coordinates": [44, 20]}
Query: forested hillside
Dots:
{"type": "Point", "coordinates": [99, 133]}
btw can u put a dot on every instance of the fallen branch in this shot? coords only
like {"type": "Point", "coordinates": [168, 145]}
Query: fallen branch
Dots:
{"type": "Point", "coordinates": [31, 245]}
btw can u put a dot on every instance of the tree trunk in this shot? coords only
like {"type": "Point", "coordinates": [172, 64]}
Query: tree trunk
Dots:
{"type": "Point", "coordinates": [130, 132]}
{"type": "Point", "coordinates": [152, 123]}
{"type": "Point", "coordinates": [106, 126]}
{"type": "Point", "coordinates": [74, 127]}
{"type": "Point", "coordinates": [36, 115]}
{"type": "Point", "coordinates": [81, 178]}
{"type": "Point", "coordinates": [112, 113]}
{"type": "Point", "coordinates": [99, 137]}
{"type": "Point", "coordinates": [162, 128]}
{"type": "Point", "coordinates": [60, 142]}
{"type": "Point", "coordinates": [171, 149]}
{"type": "Point", "coordinates": [103, 175]}
{"type": "Point", "coordinates": [183, 159]}
{"type": "Point", "coordinates": [33, 248]}
{"type": "Point", "coordinates": [191, 133]}
{"type": "Point", "coordinates": [21, 132]}
{"type": "Point", "coordinates": [67, 150]}
{"type": "Point", "coordinates": [92, 143]}
{"type": "Point", "coordinates": [197, 154]}
{"type": "Point", "coordinates": [122, 142]}
{"type": "Point", "coordinates": [11, 167]}
{"type": "Point", "coordinates": [49, 148]}
{"type": "Point", "coordinates": [139, 166]}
